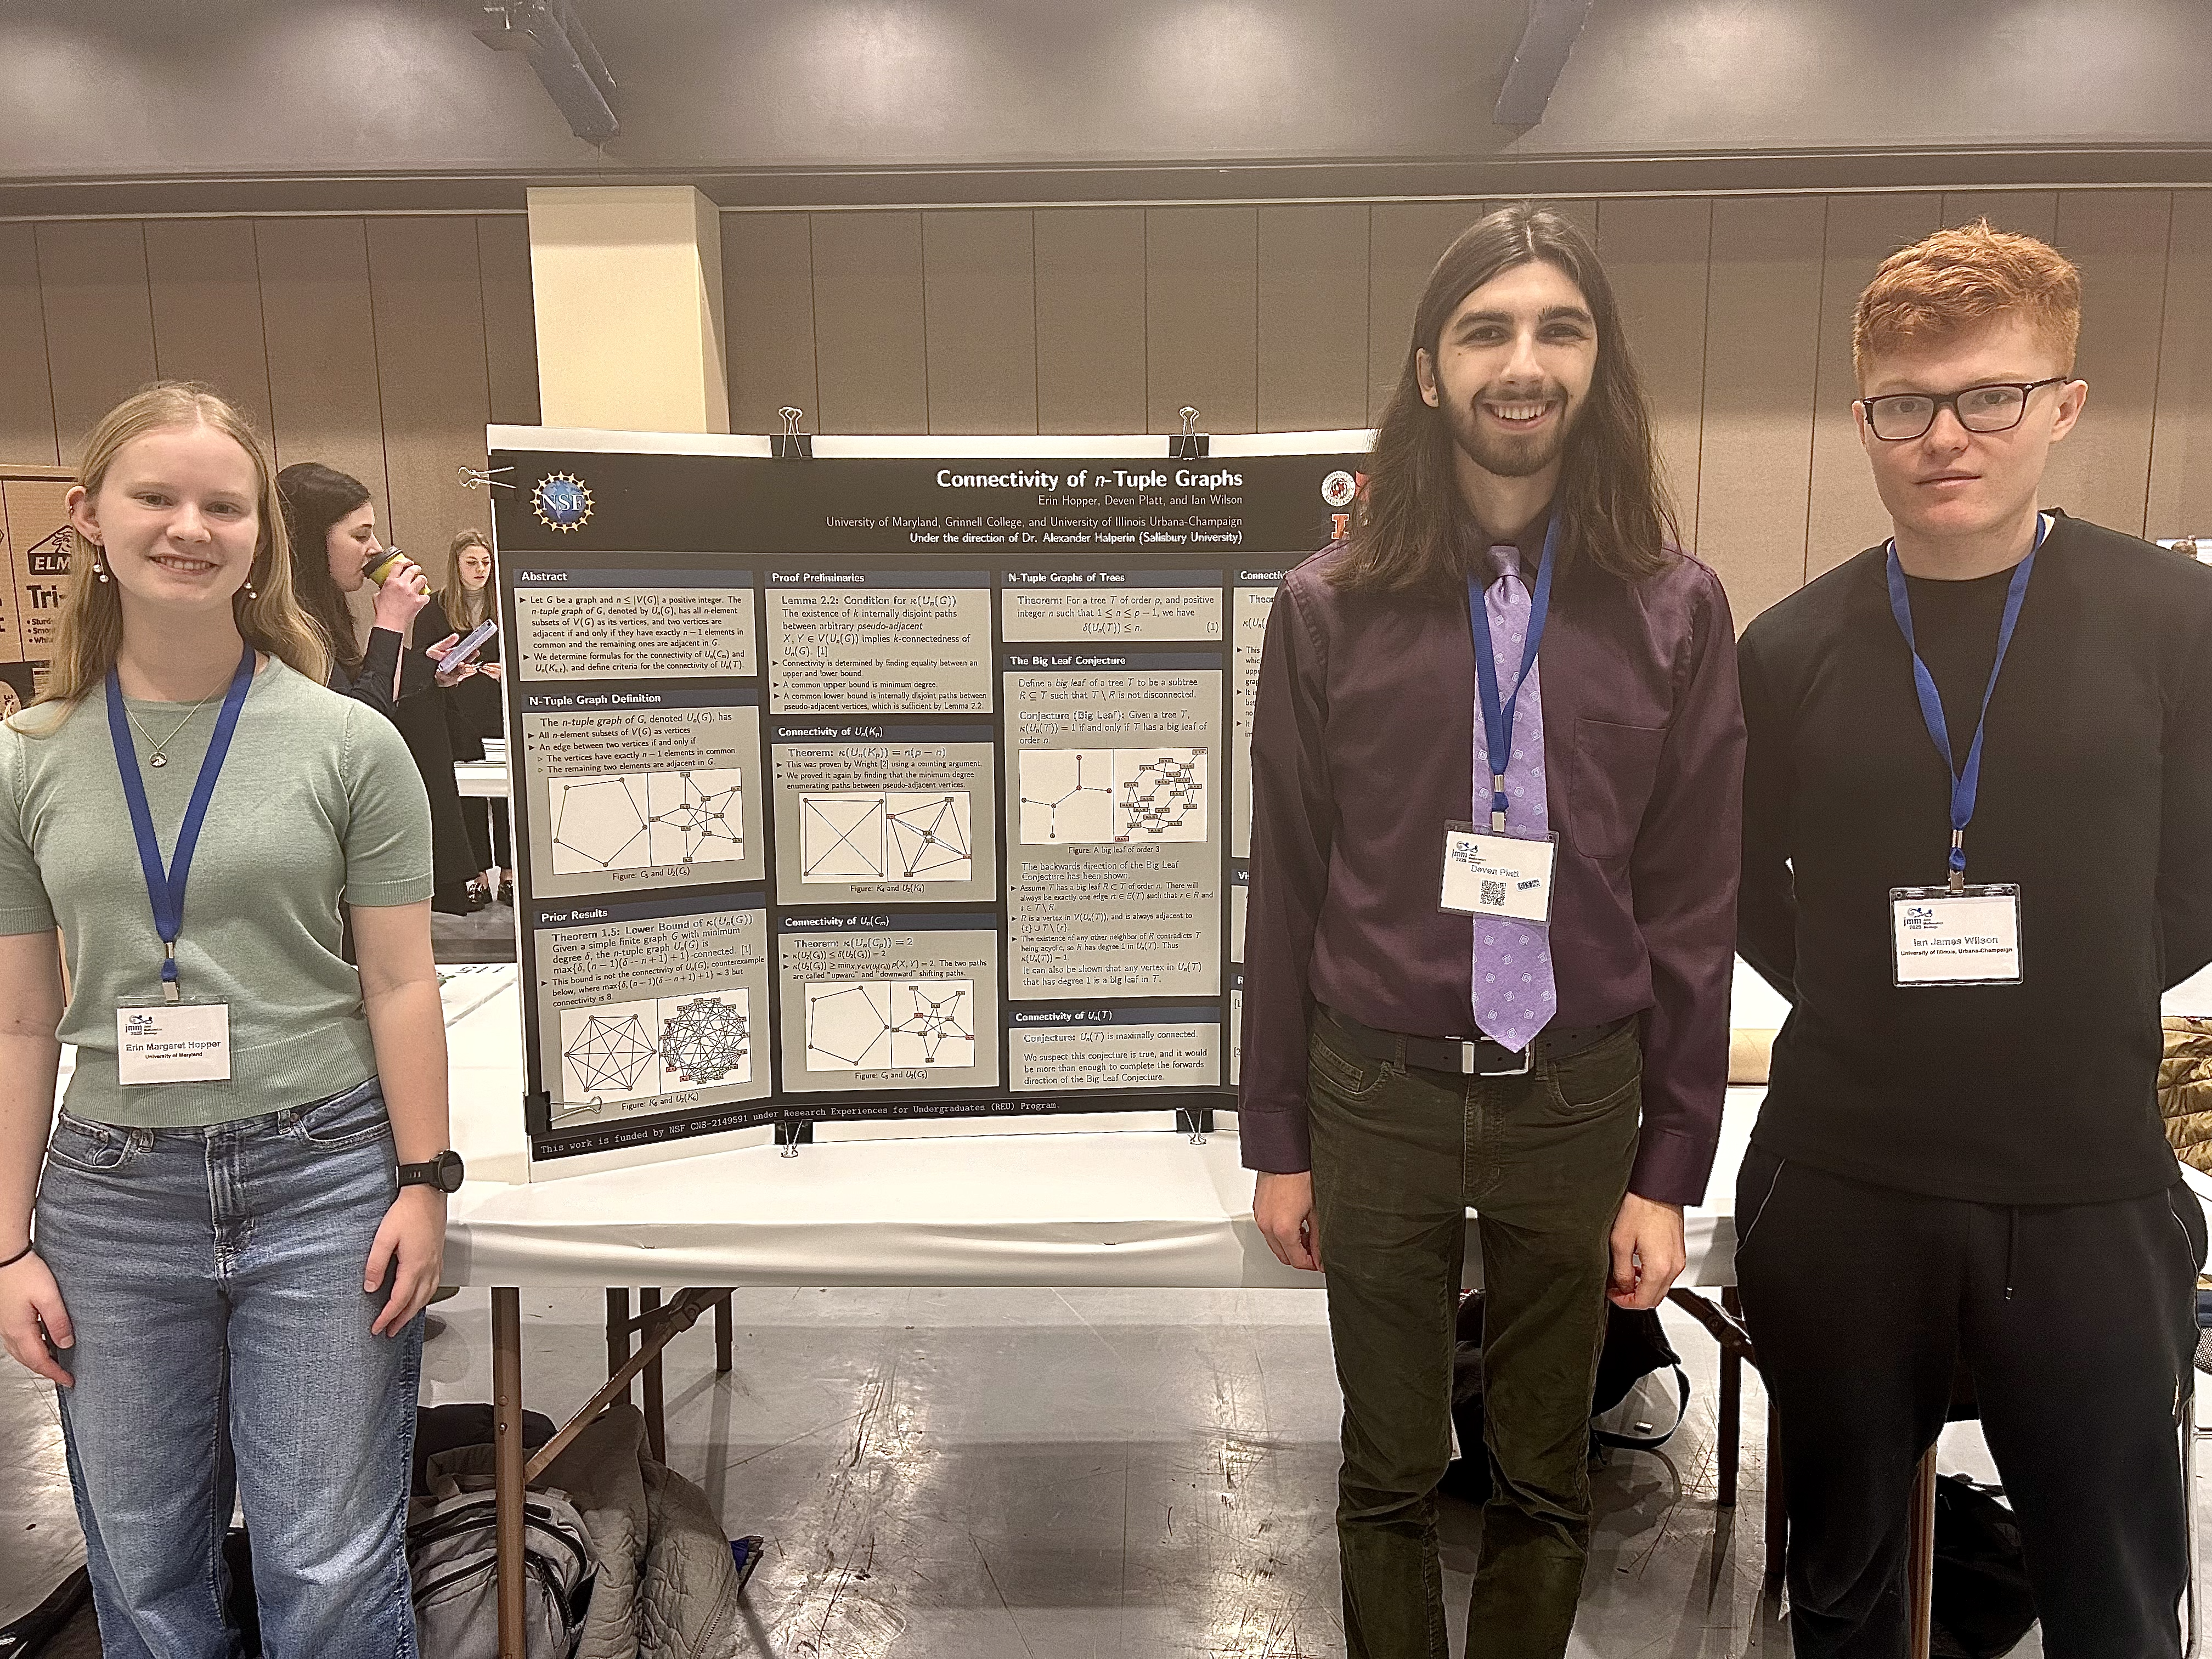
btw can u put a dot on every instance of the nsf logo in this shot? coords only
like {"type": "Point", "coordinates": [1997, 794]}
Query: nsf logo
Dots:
{"type": "Point", "coordinates": [562, 501]}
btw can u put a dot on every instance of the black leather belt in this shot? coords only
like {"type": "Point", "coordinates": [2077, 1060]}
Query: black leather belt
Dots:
{"type": "Point", "coordinates": [1475, 1056]}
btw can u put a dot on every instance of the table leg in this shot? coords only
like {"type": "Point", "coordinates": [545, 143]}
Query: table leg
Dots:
{"type": "Point", "coordinates": [617, 1332]}
{"type": "Point", "coordinates": [724, 1335]}
{"type": "Point", "coordinates": [1922, 1570]}
{"type": "Point", "coordinates": [1730, 1426]}
{"type": "Point", "coordinates": [656, 1422]}
{"type": "Point", "coordinates": [507, 1442]}
{"type": "Point", "coordinates": [1778, 1511]}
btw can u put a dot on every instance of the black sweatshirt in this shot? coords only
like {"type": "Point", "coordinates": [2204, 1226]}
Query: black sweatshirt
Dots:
{"type": "Point", "coordinates": [2095, 799]}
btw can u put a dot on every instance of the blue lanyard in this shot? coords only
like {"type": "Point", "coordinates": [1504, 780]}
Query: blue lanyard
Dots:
{"type": "Point", "coordinates": [1498, 712]}
{"type": "Point", "coordinates": [165, 889]}
{"type": "Point", "coordinates": [1966, 782]}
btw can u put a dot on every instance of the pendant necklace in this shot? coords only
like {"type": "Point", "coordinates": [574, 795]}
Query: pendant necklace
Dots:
{"type": "Point", "coordinates": [156, 758]}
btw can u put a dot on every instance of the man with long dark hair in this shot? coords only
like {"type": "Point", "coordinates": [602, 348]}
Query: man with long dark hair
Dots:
{"type": "Point", "coordinates": [1497, 787]}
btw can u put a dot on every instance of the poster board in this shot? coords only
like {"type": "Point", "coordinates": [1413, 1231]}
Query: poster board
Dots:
{"type": "Point", "coordinates": [901, 780]}
{"type": "Point", "coordinates": [34, 577]}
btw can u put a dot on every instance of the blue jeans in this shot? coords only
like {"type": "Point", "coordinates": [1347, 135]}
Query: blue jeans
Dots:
{"type": "Point", "coordinates": [213, 1276]}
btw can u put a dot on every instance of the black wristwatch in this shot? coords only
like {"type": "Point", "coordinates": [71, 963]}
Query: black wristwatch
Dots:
{"type": "Point", "coordinates": [443, 1172]}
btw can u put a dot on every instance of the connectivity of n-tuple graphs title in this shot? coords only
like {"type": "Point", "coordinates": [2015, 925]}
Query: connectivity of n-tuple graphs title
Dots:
{"type": "Point", "coordinates": [1084, 479]}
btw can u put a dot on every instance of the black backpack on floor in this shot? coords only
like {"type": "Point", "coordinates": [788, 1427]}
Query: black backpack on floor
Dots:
{"type": "Point", "coordinates": [1635, 1346]}
{"type": "Point", "coordinates": [1984, 1606]}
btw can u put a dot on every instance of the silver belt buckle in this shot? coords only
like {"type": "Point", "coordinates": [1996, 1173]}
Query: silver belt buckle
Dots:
{"type": "Point", "coordinates": [1469, 1067]}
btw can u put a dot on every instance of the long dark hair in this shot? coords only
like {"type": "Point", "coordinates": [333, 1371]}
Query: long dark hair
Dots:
{"type": "Point", "coordinates": [316, 497]}
{"type": "Point", "coordinates": [1613, 502]}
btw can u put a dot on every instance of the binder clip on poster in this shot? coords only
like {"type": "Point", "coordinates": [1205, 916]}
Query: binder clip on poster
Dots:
{"type": "Point", "coordinates": [791, 444]}
{"type": "Point", "coordinates": [1189, 444]}
{"type": "Point", "coordinates": [485, 478]}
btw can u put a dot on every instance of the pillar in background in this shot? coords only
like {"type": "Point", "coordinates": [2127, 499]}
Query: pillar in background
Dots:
{"type": "Point", "coordinates": [628, 283]}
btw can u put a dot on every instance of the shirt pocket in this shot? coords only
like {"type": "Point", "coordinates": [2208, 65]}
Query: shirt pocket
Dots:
{"type": "Point", "coordinates": [1609, 785]}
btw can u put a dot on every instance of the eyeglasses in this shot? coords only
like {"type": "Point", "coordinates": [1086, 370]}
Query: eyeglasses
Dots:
{"type": "Point", "coordinates": [1898, 416]}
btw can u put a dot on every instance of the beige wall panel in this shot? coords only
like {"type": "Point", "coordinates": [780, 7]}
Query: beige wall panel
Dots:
{"type": "Point", "coordinates": [207, 309]}
{"type": "Point", "coordinates": [1762, 323]}
{"type": "Point", "coordinates": [1313, 318]}
{"type": "Point", "coordinates": [1090, 319]}
{"type": "Point", "coordinates": [978, 287]}
{"type": "Point", "coordinates": [431, 373]}
{"type": "Point", "coordinates": [1404, 241]}
{"type": "Point", "coordinates": [871, 346]}
{"type": "Point", "coordinates": [2181, 445]}
{"type": "Point", "coordinates": [1201, 287]}
{"type": "Point", "coordinates": [2117, 238]}
{"type": "Point", "coordinates": [1658, 255]}
{"type": "Point", "coordinates": [768, 308]}
{"type": "Point", "coordinates": [318, 317]}
{"type": "Point", "coordinates": [100, 328]}
{"type": "Point", "coordinates": [510, 321]}
{"type": "Point", "coordinates": [1581, 210]}
{"type": "Point", "coordinates": [1845, 513]}
{"type": "Point", "coordinates": [2031, 212]}
{"type": "Point", "coordinates": [26, 398]}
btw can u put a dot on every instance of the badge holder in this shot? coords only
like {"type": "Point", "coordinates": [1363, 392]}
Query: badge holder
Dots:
{"type": "Point", "coordinates": [1954, 935]}
{"type": "Point", "coordinates": [1490, 874]}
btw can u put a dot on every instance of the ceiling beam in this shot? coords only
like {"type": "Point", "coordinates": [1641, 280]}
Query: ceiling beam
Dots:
{"type": "Point", "coordinates": [1553, 27]}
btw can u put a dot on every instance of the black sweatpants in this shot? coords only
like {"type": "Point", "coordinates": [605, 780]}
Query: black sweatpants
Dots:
{"type": "Point", "coordinates": [2078, 1323]}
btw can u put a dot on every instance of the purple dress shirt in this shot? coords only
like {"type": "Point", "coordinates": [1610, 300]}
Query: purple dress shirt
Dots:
{"type": "Point", "coordinates": [1362, 731]}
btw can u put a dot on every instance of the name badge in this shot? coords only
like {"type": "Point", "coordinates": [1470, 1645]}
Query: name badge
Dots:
{"type": "Point", "coordinates": [1487, 874]}
{"type": "Point", "coordinates": [1940, 938]}
{"type": "Point", "coordinates": [173, 1042]}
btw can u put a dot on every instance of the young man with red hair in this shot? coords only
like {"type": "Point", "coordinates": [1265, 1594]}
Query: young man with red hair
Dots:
{"type": "Point", "coordinates": [1977, 847]}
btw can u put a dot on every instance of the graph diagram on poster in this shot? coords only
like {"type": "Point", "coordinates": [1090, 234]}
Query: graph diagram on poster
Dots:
{"type": "Point", "coordinates": [1096, 795]}
{"type": "Point", "coordinates": [885, 835]}
{"type": "Point", "coordinates": [858, 1025]}
{"type": "Point", "coordinates": [641, 820]}
{"type": "Point", "coordinates": [629, 1054]}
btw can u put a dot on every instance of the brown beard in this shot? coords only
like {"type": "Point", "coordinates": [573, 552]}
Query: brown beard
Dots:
{"type": "Point", "coordinates": [1502, 455]}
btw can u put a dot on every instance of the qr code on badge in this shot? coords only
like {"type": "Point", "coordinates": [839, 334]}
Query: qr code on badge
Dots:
{"type": "Point", "coordinates": [1493, 895]}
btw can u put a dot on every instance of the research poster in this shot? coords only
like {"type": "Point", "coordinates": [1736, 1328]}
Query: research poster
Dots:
{"type": "Point", "coordinates": [890, 781]}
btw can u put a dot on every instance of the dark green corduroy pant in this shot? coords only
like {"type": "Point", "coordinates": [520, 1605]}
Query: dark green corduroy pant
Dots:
{"type": "Point", "coordinates": [1400, 1154]}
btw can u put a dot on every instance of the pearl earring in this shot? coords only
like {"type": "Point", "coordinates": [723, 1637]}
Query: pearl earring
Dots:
{"type": "Point", "coordinates": [250, 592]}
{"type": "Point", "coordinates": [98, 569]}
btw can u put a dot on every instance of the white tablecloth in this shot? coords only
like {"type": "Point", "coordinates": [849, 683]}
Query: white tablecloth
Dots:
{"type": "Point", "coordinates": [1108, 1207]}
{"type": "Point", "coordinates": [1036, 1206]}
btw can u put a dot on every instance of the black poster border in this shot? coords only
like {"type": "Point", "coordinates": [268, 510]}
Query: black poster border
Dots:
{"type": "Point", "coordinates": [745, 514]}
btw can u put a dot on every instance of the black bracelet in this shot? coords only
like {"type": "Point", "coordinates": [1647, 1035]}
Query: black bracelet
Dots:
{"type": "Point", "coordinates": [19, 1255]}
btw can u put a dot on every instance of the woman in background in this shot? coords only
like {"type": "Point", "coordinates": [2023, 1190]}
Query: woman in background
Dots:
{"type": "Point", "coordinates": [332, 525]}
{"type": "Point", "coordinates": [469, 598]}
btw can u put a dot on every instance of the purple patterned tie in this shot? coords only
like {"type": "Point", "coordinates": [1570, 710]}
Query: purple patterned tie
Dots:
{"type": "Point", "coordinates": [1515, 996]}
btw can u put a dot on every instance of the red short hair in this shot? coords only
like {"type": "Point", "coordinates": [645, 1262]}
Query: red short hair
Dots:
{"type": "Point", "coordinates": [1952, 282]}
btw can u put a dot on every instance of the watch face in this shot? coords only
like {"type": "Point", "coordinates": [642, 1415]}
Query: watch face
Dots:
{"type": "Point", "coordinates": [450, 1171]}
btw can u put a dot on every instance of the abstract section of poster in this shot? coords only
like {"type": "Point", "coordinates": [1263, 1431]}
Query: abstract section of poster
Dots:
{"type": "Point", "coordinates": [585, 623]}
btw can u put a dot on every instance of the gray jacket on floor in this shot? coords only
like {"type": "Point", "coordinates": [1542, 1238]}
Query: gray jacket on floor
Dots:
{"type": "Point", "coordinates": [667, 1587]}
